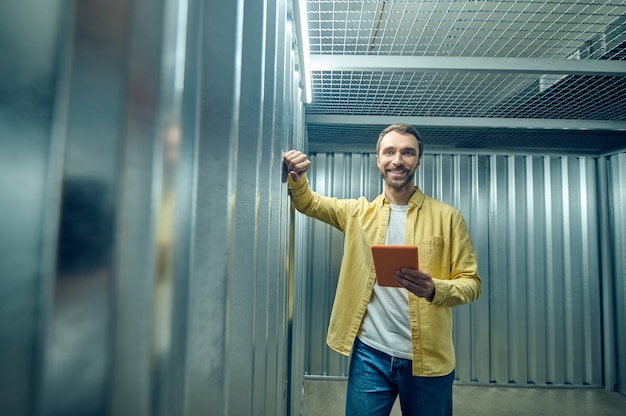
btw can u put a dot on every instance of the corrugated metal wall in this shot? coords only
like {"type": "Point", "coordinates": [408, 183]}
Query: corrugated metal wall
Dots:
{"type": "Point", "coordinates": [614, 285]}
{"type": "Point", "coordinates": [543, 317]}
{"type": "Point", "coordinates": [144, 248]}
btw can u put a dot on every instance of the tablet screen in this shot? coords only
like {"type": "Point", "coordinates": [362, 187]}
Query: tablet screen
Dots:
{"type": "Point", "coordinates": [389, 258]}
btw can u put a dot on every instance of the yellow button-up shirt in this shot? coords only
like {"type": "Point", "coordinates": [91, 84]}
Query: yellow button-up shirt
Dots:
{"type": "Point", "coordinates": [445, 251]}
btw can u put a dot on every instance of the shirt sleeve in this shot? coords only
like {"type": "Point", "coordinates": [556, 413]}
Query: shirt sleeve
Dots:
{"type": "Point", "coordinates": [327, 209]}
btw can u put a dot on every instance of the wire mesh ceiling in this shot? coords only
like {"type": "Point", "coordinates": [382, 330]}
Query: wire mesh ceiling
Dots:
{"type": "Point", "coordinates": [583, 31]}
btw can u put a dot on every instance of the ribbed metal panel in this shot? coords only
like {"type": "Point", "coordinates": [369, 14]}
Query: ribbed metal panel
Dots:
{"type": "Point", "coordinates": [534, 224]}
{"type": "Point", "coordinates": [616, 370]}
{"type": "Point", "coordinates": [146, 263]}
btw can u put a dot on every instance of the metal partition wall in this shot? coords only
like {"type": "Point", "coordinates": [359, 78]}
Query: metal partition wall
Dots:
{"type": "Point", "coordinates": [29, 209]}
{"type": "Point", "coordinates": [145, 261]}
{"type": "Point", "coordinates": [534, 223]}
{"type": "Point", "coordinates": [615, 307]}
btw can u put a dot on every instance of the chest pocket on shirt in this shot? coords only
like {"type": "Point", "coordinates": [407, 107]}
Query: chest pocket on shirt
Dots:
{"type": "Point", "coordinates": [431, 256]}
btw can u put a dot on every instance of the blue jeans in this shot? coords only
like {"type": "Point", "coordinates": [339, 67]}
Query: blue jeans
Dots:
{"type": "Point", "coordinates": [376, 379]}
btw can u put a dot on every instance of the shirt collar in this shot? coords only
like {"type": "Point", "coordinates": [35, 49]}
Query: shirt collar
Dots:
{"type": "Point", "coordinates": [417, 199]}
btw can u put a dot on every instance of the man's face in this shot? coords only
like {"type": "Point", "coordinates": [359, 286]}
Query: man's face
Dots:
{"type": "Point", "coordinates": [398, 159]}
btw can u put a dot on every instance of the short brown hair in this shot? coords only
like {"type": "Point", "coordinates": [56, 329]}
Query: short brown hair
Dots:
{"type": "Point", "coordinates": [402, 128]}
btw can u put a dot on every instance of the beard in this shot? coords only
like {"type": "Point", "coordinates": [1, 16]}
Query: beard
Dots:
{"type": "Point", "coordinates": [398, 183]}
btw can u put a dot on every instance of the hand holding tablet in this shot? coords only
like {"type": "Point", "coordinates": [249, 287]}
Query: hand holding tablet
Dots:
{"type": "Point", "coordinates": [389, 258]}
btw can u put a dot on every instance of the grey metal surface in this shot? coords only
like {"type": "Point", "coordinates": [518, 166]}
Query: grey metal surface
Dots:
{"type": "Point", "coordinates": [147, 310]}
{"type": "Point", "coordinates": [145, 247]}
{"type": "Point", "coordinates": [78, 346]}
{"type": "Point", "coordinates": [30, 185]}
{"type": "Point", "coordinates": [534, 224]}
{"type": "Point", "coordinates": [497, 62]}
{"type": "Point", "coordinates": [238, 337]}
{"type": "Point", "coordinates": [614, 290]}
{"type": "Point", "coordinates": [377, 63]}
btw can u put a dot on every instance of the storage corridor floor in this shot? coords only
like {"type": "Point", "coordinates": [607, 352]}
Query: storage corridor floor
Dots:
{"type": "Point", "coordinates": [327, 397]}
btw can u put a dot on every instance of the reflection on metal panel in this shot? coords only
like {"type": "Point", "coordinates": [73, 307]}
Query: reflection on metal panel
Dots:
{"type": "Point", "coordinates": [533, 223]}
{"type": "Point", "coordinates": [148, 270]}
{"type": "Point", "coordinates": [30, 183]}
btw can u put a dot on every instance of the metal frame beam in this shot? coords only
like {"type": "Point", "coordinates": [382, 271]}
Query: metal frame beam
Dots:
{"type": "Point", "coordinates": [466, 64]}
{"type": "Point", "coordinates": [484, 122]}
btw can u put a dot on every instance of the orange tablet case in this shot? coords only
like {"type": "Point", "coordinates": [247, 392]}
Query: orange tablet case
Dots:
{"type": "Point", "coordinates": [389, 258]}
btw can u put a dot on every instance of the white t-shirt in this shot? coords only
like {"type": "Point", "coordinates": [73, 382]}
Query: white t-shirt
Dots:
{"type": "Point", "coordinates": [386, 325]}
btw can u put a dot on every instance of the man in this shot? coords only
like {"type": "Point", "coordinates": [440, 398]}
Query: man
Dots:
{"type": "Point", "coordinates": [400, 339]}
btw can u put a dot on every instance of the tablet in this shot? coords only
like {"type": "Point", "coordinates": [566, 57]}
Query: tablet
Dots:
{"type": "Point", "coordinates": [389, 258]}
